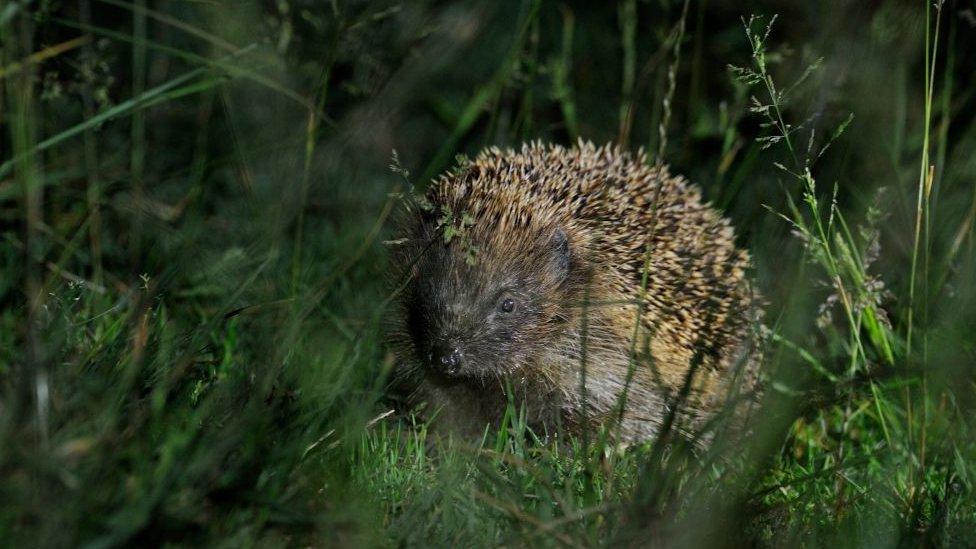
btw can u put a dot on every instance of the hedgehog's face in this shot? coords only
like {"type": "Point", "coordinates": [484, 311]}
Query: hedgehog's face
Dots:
{"type": "Point", "coordinates": [490, 318]}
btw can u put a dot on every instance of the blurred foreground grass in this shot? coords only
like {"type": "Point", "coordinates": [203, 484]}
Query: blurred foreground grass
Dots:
{"type": "Point", "coordinates": [193, 199]}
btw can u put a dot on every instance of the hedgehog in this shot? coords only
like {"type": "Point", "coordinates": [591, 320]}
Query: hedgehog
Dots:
{"type": "Point", "coordinates": [585, 286]}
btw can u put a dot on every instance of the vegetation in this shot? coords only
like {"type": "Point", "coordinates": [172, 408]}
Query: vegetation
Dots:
{"type": "Point", "coordinates": [194, 198]}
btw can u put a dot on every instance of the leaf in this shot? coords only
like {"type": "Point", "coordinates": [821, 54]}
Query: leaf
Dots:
{"type": "Point", "coordinates": [449, 233]}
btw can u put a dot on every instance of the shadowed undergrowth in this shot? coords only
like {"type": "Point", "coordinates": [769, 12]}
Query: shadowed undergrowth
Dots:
{"type": "Point", "coordinates": [194, 199]}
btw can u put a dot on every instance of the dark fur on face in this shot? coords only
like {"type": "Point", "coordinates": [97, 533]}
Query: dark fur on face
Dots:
{"type": "Point", "coordinates": [486, 318]}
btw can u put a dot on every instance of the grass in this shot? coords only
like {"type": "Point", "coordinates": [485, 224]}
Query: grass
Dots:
{"type": "Point", "coordinates": [192, 296]}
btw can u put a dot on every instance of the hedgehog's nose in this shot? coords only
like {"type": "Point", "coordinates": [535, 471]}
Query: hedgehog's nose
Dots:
{"type": "Point", "coordinates": [447, 358]}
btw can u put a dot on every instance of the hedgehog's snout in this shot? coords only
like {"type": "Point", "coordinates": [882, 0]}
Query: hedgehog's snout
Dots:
{"type": "Point", "coordinates": [446, 358]}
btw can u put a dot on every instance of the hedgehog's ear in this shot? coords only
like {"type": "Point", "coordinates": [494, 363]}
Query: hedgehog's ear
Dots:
{"type": "Point", "coordinates": [559, 244]}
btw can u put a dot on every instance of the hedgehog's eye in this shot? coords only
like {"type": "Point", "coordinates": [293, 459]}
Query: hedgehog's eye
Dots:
{"type": "Point", "coordinates": [506, 305]}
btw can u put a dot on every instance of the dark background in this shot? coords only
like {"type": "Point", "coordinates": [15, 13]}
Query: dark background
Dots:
{"type": "Point", "coordinates": [193, 288]}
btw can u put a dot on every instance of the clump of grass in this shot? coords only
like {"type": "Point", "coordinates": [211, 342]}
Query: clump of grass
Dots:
{"type": "Point", "coordinates": [190, 300]}
{"type": "Point", "coordinates": [876, 379]}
